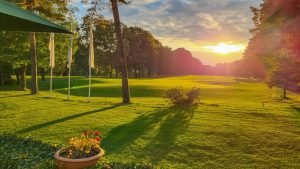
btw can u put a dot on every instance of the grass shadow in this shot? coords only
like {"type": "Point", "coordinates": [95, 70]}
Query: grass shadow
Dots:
{"type": "Point", "coordinates": [297, 114]}
{"type": "Point", "coordinates": [170, 129]}
{"type": "Point", "coordinates": [20, 95]}
{"type": "Point", "coordinates": [172, 121]}
{"type": "Point", "coordinates": [124, 135]}
{"type": "Point", "coordinates": [3, 106]}
{"type": "Point", "coordinates": [62, 83]}
{"type": "Point", "coordinates": [296, 108]}
{"type": "Point", "coordinates": [53, 122]}
{"type": "Point", "coordinates": [247, 80]}
{"type": "Point", "coordinates": [115, 91]}
{"type": "Point", "coordinates": [58, 83]}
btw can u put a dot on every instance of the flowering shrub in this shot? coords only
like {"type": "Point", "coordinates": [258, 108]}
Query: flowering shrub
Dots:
{"type": "Point", "coordinates": [87, 145]}
{"type": "Point", "coordinates": [178, 97]}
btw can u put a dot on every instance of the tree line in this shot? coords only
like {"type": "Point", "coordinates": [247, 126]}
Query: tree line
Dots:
{"type": "Point", "coordinates": [272, 53]}
{"type": "Point", "coordinates": [146, 56]}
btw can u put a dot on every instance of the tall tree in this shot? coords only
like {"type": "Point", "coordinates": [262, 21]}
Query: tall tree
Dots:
{"type": "Point", "coordinates": [53, 10]}
{"type": "Point", "coordinates": [31, 4]}
{"type": "Point", "coordinates": [142, 51]}
{"type": "Point", "coordinates": [277, 22]}
{"type": "Point", "coordinates": [14, 52]}
{"type": "Point", "coordinates": [123, 60]}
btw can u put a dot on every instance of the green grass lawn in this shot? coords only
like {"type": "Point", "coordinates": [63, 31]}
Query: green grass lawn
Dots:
{"type": "Point", "coordinates": [239, 123]}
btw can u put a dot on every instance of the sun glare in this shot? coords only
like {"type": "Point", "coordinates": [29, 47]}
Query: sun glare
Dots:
{"type": "Point", "coordinates": [224, 48]}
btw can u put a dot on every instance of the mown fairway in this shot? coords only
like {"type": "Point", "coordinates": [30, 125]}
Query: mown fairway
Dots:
{"type": "Point", "coordinates": [239, 123]}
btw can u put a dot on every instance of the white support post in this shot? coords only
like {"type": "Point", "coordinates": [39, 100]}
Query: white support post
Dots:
{"type": "Point", "coordinates": [90, 81]}
{"type": "Point", "coordinates": [51, 80]}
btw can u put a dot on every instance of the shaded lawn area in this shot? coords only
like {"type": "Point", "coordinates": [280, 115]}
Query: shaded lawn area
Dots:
{"type": "Point", "coordinates": [239, 124]}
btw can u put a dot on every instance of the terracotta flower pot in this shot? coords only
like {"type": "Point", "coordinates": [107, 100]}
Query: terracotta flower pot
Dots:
{"type": "Point", "coordinates": [65, 163]}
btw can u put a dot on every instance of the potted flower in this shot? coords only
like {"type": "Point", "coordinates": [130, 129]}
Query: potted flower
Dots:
{"type": "Point", "coordinates": [82, 152]}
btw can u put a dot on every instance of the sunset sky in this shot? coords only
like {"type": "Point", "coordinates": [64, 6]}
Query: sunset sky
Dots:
{"type": "Point", "coordinates": [215, 31]}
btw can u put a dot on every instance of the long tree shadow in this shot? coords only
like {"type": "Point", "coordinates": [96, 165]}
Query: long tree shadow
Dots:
{"type": "Point", "coordinates": [124, 135]}
{"type": "Point", "coordinates": [174, 120]}
{"type": "Point", "coordinates": [58, 83]}
{"type": "Point", "coordinates": [39, 126]}
{"type": "Point", "coordinates": [19, 95]}
{"type": "Point", "coordinates": [297, 114]}
{"type": "Point", "coordinates": [171, 128]}
{"type": "Point", "coordinates": [115, 91]}
{"type": "Point", "coordinates": [62, 83]}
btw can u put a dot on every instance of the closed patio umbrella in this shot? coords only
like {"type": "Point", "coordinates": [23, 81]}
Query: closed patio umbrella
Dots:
{"type": "Point", "coordinates": [14, 18]}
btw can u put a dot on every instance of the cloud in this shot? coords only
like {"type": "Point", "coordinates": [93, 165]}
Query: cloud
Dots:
{"type": "Point", "coordinates": [207, 21]}
{"type": "Point", "coordinates": [191, 22]}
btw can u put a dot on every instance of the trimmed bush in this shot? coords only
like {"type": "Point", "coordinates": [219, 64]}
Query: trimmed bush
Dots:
{"type": "Point", "coordinates": [178, 97]}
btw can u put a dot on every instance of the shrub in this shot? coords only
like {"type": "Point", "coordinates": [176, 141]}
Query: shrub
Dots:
{"type": "Point", "coordinates": [193, 95]}
{"type": "Point", "coordinates": [178, 97]}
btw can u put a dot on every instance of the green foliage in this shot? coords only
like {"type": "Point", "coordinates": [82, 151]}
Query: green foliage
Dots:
{"type": "Point", "coordinates": [142, 50]}
{"type": "Point", "coordinates": [20, 152]}
{"type": "Point", "coordinates": [28, 153]}
{"type": "Point", "coordinates": [178, 97]}
{"type": "Point", "coordinates": [241, 123]}
{"type": "Point", "coordinates": [123, 165]}
{"type": "Point", "coordinates": [104, 44]}
{"type": "Point", "coordinates": [145, 55]}
{"type": "Point", "coordinates": [277, 61]}
{"type": "Point", "coordinates": [14, 48]}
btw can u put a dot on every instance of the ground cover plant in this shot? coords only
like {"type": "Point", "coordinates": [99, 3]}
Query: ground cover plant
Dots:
{"type": "Point", "coordinates": [238, 124]}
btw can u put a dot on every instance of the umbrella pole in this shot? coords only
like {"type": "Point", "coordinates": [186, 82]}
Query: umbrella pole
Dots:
{"type": "Point", "coordinates": [69, 83]}
{"type": "Point", "coordinates": [90, 80]}
{"type": "Point", "coordinates": [51, 73]}
{"type": "Point", "coordinates": [70, 58]}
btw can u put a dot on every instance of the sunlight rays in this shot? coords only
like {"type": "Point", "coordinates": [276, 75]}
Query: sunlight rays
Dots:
{"type": "Point", "coordinates": [224, 48]}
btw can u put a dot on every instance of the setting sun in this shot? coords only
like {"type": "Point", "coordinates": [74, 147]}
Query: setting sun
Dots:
{"type": "Point", "coordinates": [224, 48]}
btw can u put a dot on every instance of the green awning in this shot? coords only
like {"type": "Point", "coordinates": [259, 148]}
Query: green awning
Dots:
{"type": "Point", "coordinates": [14, 18]}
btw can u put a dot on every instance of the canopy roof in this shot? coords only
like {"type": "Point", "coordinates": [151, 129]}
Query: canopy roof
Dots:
{"type": "Point", "coordinates": [14, 18]}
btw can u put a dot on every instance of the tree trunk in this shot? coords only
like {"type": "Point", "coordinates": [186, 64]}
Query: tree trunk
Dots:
{"type": "Point", "coordinates": [123, 61]}
{"type": "Point", "coordinates": [1, 75]}
{"type": "Point", "coordinates": [23, 78]}
{"type": "Point", "coordinates": [33, 61]}
{"type": "Point", "coordinates": [117, 73]}
{"type": "Point", "coordinates": [136, 75]}
{"type": "Point", "coordinates": [43, 72]}
{"type": "Point", "coordinates": [142, 73]}
{"type": "Point", "coordinates": [8, 76]}
{"type": "Point", "coordinates": [285, 87]}
{"type": "Point", "coordinates": [17, 72]}
{"type": "Point", "coordinates": [149, 73]}
{"type": "Point", "coordinates": [111, 69]}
